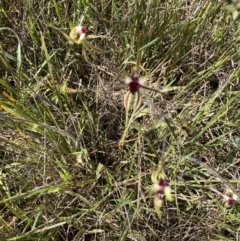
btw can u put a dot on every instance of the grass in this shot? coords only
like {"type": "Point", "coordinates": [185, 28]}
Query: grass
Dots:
{"type": "Point", "coordinates": [63, 175]}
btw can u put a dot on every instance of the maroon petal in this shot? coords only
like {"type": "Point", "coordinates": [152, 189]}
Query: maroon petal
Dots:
{"type": "Point", "coordinates": [127, 99]}
{"type": "Point", "coordinates": [231, 201]}
{"type": "Point", "coordinates": [84, 30]}
{"type": "Point", "coordinates": [138, 100]}
{"type": "Point", "coordinates": [162, 182]}
{"type": "Point", "coordinates": [134, 86]}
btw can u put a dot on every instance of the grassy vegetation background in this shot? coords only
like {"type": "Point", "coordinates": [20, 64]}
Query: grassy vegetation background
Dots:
{"type": "Point", "coordinates": [63, 175]}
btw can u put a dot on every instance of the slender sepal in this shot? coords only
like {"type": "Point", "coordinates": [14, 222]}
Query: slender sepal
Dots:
{"type": "Point", "coordinates": [94, 48]}
{"type": "Point", "coordinates": [137, 102]}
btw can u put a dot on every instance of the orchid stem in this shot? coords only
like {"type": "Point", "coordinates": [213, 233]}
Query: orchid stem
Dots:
{"type": "Point", "coordinates": [122, 140]}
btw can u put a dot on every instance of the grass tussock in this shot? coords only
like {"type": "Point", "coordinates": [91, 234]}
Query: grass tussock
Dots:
{"type": "Point", "coordinates": [63, 174]}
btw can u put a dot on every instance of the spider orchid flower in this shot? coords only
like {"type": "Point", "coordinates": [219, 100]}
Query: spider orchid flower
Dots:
{"type": "Point", "coordinates": [78, 35]}
{"type": "Point", "coordinates": [161, 189]}
{"type": "Point", "coordinates": [135, 83]}
{"type": "Point", "coordinates": [230, 197]}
